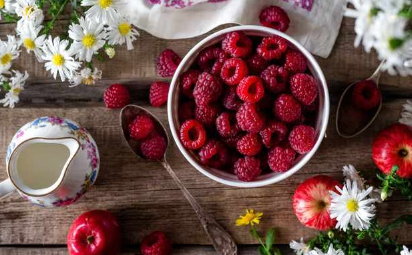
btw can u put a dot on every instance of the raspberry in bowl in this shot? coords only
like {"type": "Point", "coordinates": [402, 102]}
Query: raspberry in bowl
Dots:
{"type": "Point", "coordinates": [248, 106]}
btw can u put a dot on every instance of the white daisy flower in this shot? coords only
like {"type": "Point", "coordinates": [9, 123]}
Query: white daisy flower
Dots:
{"type": "Point", "coordinates": [8, 52]}
{"type": "Point", "coordinates": [121, 31]}
{"type": "Point", "coordinates": [392, 6]}
{"type": "Point", "coordinates": [16, 87]}
{"type": "Point", "coordinates": [30, 39]}
{"type": "Point", "coordinates": [86, 76]}
{"type": "Point", "coordinates": [59, 59]}
{"type": "Point", "coordinates": [331, 251]}
{"type": "Point", "coordinates": [103, 11]}
{"type": "Point", "coordinates": [352, 206]}
{"type": "Point", "coordinates": [300, 248]}
{"type": "Point", "coordinates": [350, 173]}
{"type": "Point", "coordinates": [405, 251]}
{"type": "Point", "coordinates": [6, 6]}
{"type": "Point", "coordinates": [28, 11]}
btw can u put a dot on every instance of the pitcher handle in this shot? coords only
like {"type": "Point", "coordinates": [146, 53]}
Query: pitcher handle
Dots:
{"type": "Point", "coordinates": [6, 187]}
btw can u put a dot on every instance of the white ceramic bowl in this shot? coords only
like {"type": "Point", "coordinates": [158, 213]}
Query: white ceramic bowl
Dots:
{"type": "Point", "coordinates": [227, 178]}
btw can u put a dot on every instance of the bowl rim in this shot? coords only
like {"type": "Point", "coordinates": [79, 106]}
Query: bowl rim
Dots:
{"type": "Point", "coordinates": [274, 179]}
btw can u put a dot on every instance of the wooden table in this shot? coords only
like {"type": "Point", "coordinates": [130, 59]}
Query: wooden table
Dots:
{"type": "Point", "coordinates": [142, 195]}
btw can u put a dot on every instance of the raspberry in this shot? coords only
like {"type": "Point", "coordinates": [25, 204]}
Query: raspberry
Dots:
{"type": "Point", "coordinates": [295, 62]}
{"type": "Point", "coordinates": [188, 81]}
{"type": "Point", "coordinates": [208, 89]}
{"type": "Point", "coordinates": [158, 93]}
{"type": "Point", "coordinates": [192, 134]}
{"type": "Point", "coordinates": [366, 95]}
{"type": "Point", "coordinates": [116, 96]}
{"type": "Point", "coordinates": [230, 99]}
{"type": "Point", "coordinates": [302, 138]}
{"type": "Point", "coordinates": [304, 88]}
{"type": "Point", "coordinates": [141, 127]}
{"type": "Point", "coordinates": [226, 124]}
{"type": "Point", "coordinates": [187, 111]}
{"type": "Point", "coordinates": [274, 17]}
{"type": "Point", "coordinates": [257, 64]}
{"type": "Point", "coordinates": [287, 108]}
{"type": "Point", "coordinates": [167, 63]}
{"type": "Point", "coordinates": [237, 44]}
{"type": "Point", "coordinates": [214, 154]}
{"type": "Point", "coordinates": [156, 244]}
{"type": "Point", "coordinates": [211, 60]}
{"type": "Point", "coordinates": [247, 169]}
{"type": "Point", "coordinates": [207, 114]}
{"type": "Point", "coordinates": [249, 118]}
{"type": "Point", "coordinates": [272, 47]}
{"type": "Point", "coordinates": [249, 145]}
{"type": "Point", "coordinates": [250, 89]}
{"type": "Point", "coordinates": [275, 79]}
{"type": "Point", "coordinates": [281, 159]}
{"type": "Point", "coordinates": [231, 142]}
{"type": "Point", "coordinates": [153, 147]}
{"type": "Point", "coordinates": [233, 71]}
{"type": "Point", "coordinates": [274, 133]}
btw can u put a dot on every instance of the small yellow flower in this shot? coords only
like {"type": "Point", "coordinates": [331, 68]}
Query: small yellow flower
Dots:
{"type": "Point", "coordinates": [249, 218]}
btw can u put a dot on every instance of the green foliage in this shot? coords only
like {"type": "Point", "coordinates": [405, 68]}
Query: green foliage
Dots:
{"type": "Point", "coordinates": [267, 247]}
{"type": "Point", "coordinates": [392, 181]}
{"type": "Point", "coordinates": [10, 18]}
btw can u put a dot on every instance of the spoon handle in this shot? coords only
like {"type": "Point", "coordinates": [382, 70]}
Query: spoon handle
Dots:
{"type": "Point", "coordinates": [222, 240]}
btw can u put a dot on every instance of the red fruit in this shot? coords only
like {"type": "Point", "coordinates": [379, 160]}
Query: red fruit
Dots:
{"type": "Point", "coordinates": [94, 233]}
{"type": "Point", "coordinates": [366, 95]}
{"type": "Point", "coordinates": [153, 147]}
{"type": "Point", "coordinates": [295, 62]}
{"type": "Point", "coordinates": [247, 169]}
{"type": "Point", "coordinates": [208, 89]}
{"type": "Point", "coordinates": [249, 118]}
{"type": "Point", "coordinates": [214, 154]}
{"type": "Point", "coordinates": [188, 81]}
{"type": "Point", "coordinates": [141, 127]}
{"type": "Point", "coordinates": [281, 159]}
{"type": "Point", "coordinates": [116, 96]}
{"type": "Point", "coordinates": [257, 64]}
{"type": "Point", "coordinates": [302, 138]}
{"type": "Point", "coordinates": [304, 88]}
{"type": "Point", "coordinates": [233, 71]}
{"type": "Point", "coordinates": [272, 47]}
{"type": "Point", "coordinates": [158, 93]}
{"type": "Point", "coordinates": [231, 142]}
{"type": "Point", "coordinates": [287, 108]}
{"type": "Point", "coordinates": [275, 79]}
{"type": "Point", "coordinates": [187, 111]}
{"type": "Point", "coordinates": [237, 44]}
{"type": "Point", "coordinates": [311, 202]}
{"type": "Point", "coordinates": [230, 99]}
{"type": "Point", "coordinates": [226, 125]}
{"type": "Point", "coordinates": [192, 134]}
{"type": "Point", "coordinates": [207, 114]}
{"type": "Point", "coordinates": [274, 17]}
{"type": "Point", "coordinates": [211, 60]}
{"type": "Point", "coordinates": [274, 133]}
{"type": "Point", "coordinates": [156, 244]}
{"type": "Point", "coordinates": [393, 147]}
{"type": "Point", "coordinates": [167, 63]}
{"type": "Point", "coordinates": [250, 89]}
{"type": "Point", "coordinates": [249, 145]}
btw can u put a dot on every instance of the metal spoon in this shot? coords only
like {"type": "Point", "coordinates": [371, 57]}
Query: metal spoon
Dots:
{"type": "Point", "coordinates": [222, 241]}
{"type": "Point", "coordinates": [350, 121]}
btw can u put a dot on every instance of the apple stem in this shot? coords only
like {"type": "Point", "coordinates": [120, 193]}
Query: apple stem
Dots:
{"type": "Point", "coordinates": [90, 239]}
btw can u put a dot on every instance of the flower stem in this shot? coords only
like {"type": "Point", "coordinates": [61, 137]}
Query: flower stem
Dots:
{"type": "Point", "coordinates": [49, 26]}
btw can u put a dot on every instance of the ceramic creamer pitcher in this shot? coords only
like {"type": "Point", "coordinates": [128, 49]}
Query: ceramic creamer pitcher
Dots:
{"type": "Point", "coordinates": [51, 162]}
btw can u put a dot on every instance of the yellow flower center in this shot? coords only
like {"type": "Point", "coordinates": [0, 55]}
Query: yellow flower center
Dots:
{"type": "Point", "coordinates": [89, 40]}
{"type": "Point", "coordinates": [16, 91]}
{"type": "Point", "coordinates": [352, 205]}
{"type": "Point", "coordinates": [124, 28]}
{"type": "Point", "coordinates": [58, 60]}
{"type": "Point", "coordinates": [104, 4]}
{"type": "Point", "coordinates": [88, 81]}
{"type": "Point", "coordinates": [28, 10]}
{"type": "Point", "coordinates": [5, 59]}
{"type": "Point", "coordinates": [2, 4]}
{"type": "Point", "coordinates": [29, 44]}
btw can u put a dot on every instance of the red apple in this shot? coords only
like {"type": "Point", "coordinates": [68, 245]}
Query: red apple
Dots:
{"type": "Point", "coordinates": [94, 233]}
{"type": "Point", "coordinates": [311, 202]}
{"type": "Point", "coordinates": [393, 147]}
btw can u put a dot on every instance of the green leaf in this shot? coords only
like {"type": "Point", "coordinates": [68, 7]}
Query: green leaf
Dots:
{"type": "Point", "coordinates": [6, 86]}
{"type": "Point", "coordinates": [395, 43]}
{"type": "Point", "coordinates": [270, 239]}
{"type": "Point", "coordinates": [277, 252]}
{"type": "Point", "coordinates": [262, 251]}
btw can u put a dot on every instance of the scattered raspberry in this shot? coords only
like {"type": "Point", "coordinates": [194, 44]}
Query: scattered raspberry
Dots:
{"type": "Point", "coordinates": [192, 134]}
{"type": "Point", "coordinates": [295, 62]}
{"type": "Point", "coordinates": [226, 124]}
{"type": "Point", "coordinates": [366, 95]}
{"type": "Point", "coordinates": [274, 133]}
{"type": "Point", "coordinates": [208, 89]}
{"type": "Point", "coordinates": [237, 44]}
{"type": "Point", "coordinates": [275, 79]}
{"type": "Point", "coordinates": [272, 47]}
{"type": "Point", "coordinates": [230, 99]}
{"type": "Point", "coordinates": [247, 169]}
{"type": "Point", "coordinates": [302, 138]}
{"type": "Point", "coordinates": [211, 60]}
{"type": "Point", "coordinates": [188, 81]}
{"type": "Point", "coordinates": [249, 145]}
{"type": "Point", "coordinates": [274, 17]}
{"type": "Point", "coordinates": [156, 244]}
{"type": "Point", "coordinates": [158, 93]}
{"type": "Point", "coordinates": [249, 118]}
{"type": "Point", "coordinates": [116, 96]}
{"type": "Point", "coordinates": [304, 88]}
{"type": "Point", "coordinates": [153, 147]}
{"type": "Point", "coordinates": [233, 71]}
{"type": "Point", "coordinates": [141, 127]}
{"type": "Point", "coordinates": [281, 159]}
{"type": "Point", "coordinates": [207, 114]}
{"type": "Point", "coordinates": [214, 154]}
{"type": "Point", "coordinates": [231, 142]}
{"type": "Point", "coordinates": [167, 63]}
{"type": "Point", "coordinates": [287, 108]}
{"type": "Point", "coordinates": [250, 89]}
{"type": "Point", "coordinates": [187, 111]}
{"type": "Point", "coordinates": [256, 64]}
